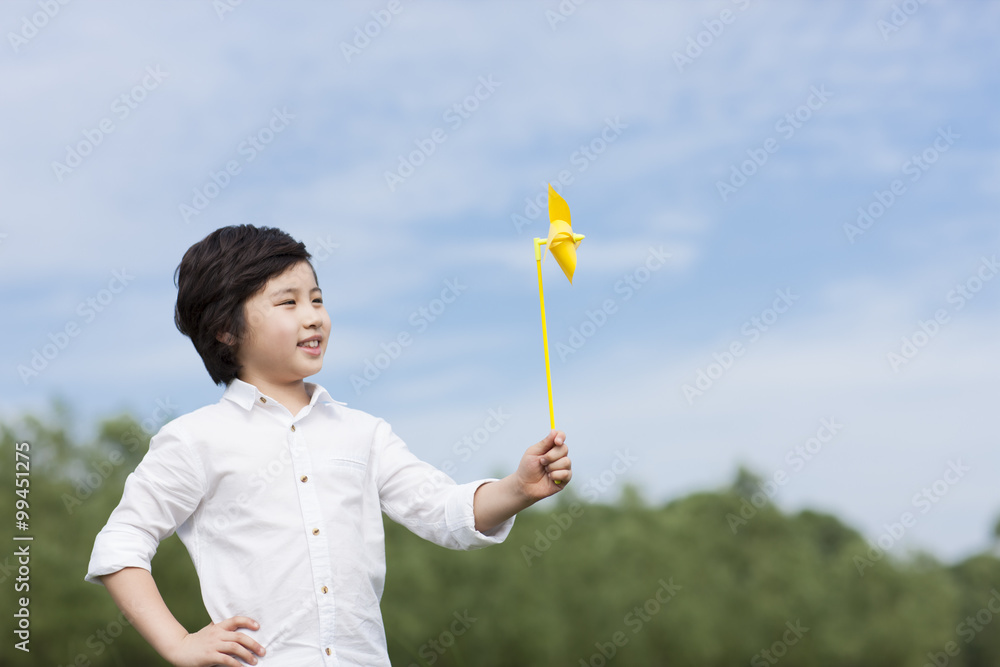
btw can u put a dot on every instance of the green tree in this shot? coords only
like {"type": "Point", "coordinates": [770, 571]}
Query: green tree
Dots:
{"type": "Point", "coordinates": [678, 583]}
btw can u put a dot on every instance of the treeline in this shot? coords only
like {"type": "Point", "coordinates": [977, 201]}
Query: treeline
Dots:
{"type": "Point", "coordinates": [702, 581]}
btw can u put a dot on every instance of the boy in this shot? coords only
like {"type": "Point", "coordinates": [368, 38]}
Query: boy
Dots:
{"type": "Point", "coordinates": [277, 490]}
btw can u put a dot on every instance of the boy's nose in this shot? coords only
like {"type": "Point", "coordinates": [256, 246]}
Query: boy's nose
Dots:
{"type": "Point", "coordinates": [313, 320]}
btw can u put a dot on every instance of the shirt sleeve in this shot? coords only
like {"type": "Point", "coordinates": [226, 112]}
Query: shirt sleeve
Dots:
{"type": "Point", "coordinates": [159, 495]}
{"type": "Point", "coordinates": [425, 499]}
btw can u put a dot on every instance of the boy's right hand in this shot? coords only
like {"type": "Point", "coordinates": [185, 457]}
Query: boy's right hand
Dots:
{"type": "Point", "coordinates": [216, 644]}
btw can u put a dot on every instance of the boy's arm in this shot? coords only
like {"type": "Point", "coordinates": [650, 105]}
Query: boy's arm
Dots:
{"type": "Point", "coordinates": [160, 495]}
{"type": "Point", "coordinates": [542, 464]}
{"type": "Point", "coordinates": [136, 594]}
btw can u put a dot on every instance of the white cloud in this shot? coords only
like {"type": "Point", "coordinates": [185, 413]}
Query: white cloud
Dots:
{"type": "Point", "coordinates": [323, 179]}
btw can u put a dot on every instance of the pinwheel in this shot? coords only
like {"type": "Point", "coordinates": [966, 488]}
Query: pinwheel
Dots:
{"type": "Point", "coordinates": [562, 243]}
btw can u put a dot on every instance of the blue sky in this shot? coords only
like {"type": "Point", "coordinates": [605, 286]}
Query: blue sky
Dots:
{"type": "Point", "coordinates": [805, 111]}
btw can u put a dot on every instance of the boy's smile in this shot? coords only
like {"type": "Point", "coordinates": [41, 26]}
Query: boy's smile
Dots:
{"type": "Point", "coordinates": [287, 331]}
{"type": "Point", "coordinates": [312, 345]}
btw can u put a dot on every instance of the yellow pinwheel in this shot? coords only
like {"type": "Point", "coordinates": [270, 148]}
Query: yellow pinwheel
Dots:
{"type": "Point", "coordinates": [562, 243]}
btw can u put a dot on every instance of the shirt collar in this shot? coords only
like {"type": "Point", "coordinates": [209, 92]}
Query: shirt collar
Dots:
{"type": "Point", "coordinates": [247, 395]}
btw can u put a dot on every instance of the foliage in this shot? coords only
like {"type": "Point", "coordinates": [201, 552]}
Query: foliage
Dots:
{"type": "Point", "coordinates": [574, 583]}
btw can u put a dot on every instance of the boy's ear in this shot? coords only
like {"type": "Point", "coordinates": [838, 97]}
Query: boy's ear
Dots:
{"type": "Point", "coordinates": [225, 337]}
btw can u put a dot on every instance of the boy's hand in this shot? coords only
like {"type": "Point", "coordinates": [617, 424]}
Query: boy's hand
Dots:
{"type": "Point", "coordinates": [216, 644]}
{"type": "Point", "coordinates": [542, 465]}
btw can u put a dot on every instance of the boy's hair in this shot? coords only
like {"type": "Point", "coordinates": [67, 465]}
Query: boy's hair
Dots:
{"type": "Point", "coordinates": [214, 280]}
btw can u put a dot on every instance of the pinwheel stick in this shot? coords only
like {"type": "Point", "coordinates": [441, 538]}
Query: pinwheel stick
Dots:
{"type": "Point", "coordinates": [545, 335]}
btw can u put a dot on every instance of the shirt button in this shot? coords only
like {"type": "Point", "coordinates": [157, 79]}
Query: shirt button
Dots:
{"type": "Point", "coordinates": [315, 531]}
{"type": "Point", "coordinates": [328, 651]}
{"type": "Point", "coordinates": [325, 589]}
{"type": "Point", "coordinates": [263, 400]}
{"type": "Point", "coordinates": [293, 428]}
{"type": "Point", "coordinates": [304, 478]}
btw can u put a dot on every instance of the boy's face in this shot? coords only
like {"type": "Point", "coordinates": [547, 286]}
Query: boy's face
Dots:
{"type": "Point", "coordinates": [288, 312]}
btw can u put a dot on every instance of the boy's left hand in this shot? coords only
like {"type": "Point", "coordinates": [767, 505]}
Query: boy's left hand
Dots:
{"type": "Point", "coordinates": [542, 465]}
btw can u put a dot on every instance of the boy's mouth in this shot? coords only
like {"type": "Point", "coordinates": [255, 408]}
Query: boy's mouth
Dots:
{"type": "Point", "coordinates": [311, 345]}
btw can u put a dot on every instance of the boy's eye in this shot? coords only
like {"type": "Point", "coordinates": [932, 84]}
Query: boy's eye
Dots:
{"type": "Point", "coordinates": [317, 300]}
{"type": "Point", "coordinates": [287, 302]}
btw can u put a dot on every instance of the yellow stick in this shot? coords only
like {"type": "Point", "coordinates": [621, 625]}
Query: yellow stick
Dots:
{"type": "Point", "coordinates": [545, 335]}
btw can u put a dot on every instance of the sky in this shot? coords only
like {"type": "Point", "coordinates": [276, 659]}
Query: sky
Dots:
{"type": "Point", "coordinates": [789, 208]}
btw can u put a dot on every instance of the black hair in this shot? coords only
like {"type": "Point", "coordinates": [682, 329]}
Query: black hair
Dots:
{"type": "Point", "coordinates": [214, 280]}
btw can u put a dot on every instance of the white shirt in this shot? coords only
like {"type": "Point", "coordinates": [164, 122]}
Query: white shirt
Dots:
{"type": "Point", "coordinates": [282, 517]}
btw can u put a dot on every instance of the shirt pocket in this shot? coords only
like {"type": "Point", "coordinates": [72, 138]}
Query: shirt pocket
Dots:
{"type": "Point", "coordinates": [340, 464]}
{"type": "Point", "coordinates": [343, 479]}
{"type": "Point", "coordinates": [344, 492]}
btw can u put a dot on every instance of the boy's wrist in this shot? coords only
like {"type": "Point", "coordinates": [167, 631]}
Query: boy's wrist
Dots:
{"type": "Point", "coordinates": [519, 491]}
{"type": "Point", "coordinates": [496, 501]}
{"type": "Point", "coordinates": [168, 643]}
